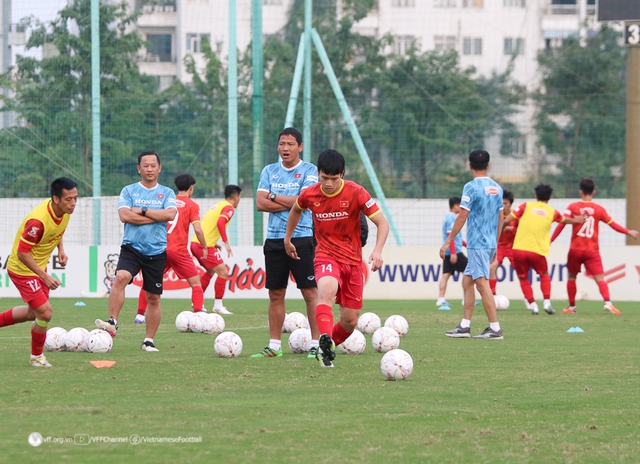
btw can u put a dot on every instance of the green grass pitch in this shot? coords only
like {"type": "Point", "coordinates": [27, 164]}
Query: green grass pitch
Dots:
{"type": "Point", "coordinates": [539, 395]}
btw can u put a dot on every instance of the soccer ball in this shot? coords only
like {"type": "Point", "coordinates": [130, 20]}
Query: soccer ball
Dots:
{"type": "Point", "coordinates": [55, 339]}
{"type": "Point", "coordinates": [295, 320]}
{"type": "Point", "coordinates": [197, 322]}
{"type": "Point", "coordinates": [368, 323]}
{"type": "Point", "coordinates": [397, 323]}
{"type": "Point", "coordinates": [396, 365]}
{"type": "Point", "coordinates": [355, 344]}
{"type": "Point", "coordinates": [385, 339]}
{"type": "Point", "coordinates": [76, 339]}
{"type": "Point", "coordinates": [182, 321]}
{"type": "Point", "coordinates": [99, 341]}
{"type": "Point", "coordinates": [214, 324]}
{"type": "Point", "coordinates": [228, 345]}
{"type": "Point", "coordinates": [502, 302]}
{"type": "Point", "coordinates": [299, 340]}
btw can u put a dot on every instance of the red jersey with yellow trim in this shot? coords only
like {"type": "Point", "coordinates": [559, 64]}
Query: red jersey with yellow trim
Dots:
{"type": "Point", "coordinates": [336, 218]}
{"type": "Point", "coordinates": [585, 236]}
{"type": "Point", "coordinates": [39, 234]}
{"type": "Point", "coordinates": [508, 234]}
{"type": "Point", "coordinates": [533, 234]}
{"type": "Point", "coordinates": [178, 229]}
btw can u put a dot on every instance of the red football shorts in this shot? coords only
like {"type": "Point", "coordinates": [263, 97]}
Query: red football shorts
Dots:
{"type": "Point", "coordinates": [525, 260]}
{"type": "Point", "coordinates": [182, 264]}
{"type": "Point", "coordinates": [505, 253]}
{"type": "Point", "coordinates": [350, 280]}
{"type": "Point", "coordinates": [591, 260]}
{"type": "Point", "coordinates": [214, 257]}
{"type": "Point", "coordinates": [32, 289]}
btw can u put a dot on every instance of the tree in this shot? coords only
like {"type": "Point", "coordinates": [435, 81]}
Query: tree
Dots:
{"type": "Point", "coordinates": [581, 117]}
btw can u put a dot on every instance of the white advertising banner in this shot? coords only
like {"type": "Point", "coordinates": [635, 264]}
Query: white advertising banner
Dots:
{"type": "Point", "coordinates": [408, 273]}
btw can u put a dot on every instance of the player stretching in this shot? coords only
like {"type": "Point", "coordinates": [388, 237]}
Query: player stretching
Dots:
{"type": "Point", "coordinates": [39, 234]}
{"type": "Point", "coordinates": [584, 248]}
{"type": "Point", "coordinates": [335, 205]}
{"type": "Point", "coordinates": [178, 257]}
{"type": "Point", "coordinates": [531, 245]}
{"type": "Point", "coordinates": [505, 242]}
{"type": "Point", "coordinates": [215, 224]}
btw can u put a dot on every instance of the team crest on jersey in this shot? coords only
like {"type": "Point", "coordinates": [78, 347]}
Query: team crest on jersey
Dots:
{"type": "Point", "coordinates": [317, 204]}
{"type": "Point", "coordinates": [33, 232]}
{"type": "Point", "coordinates": [539, 212]}
{"type": "Point", "coordinates": [491, 190]}
{"type": "Point", "coordinates": [298, 176]}
{"type": "Point", "coordinates": [344, 203]}
{"type": "Point", "coordinates": [160, 195]}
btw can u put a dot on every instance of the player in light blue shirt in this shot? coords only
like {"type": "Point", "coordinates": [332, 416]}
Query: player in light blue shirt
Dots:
{"type": "Point", "coordinates": [144, 208]}
{"type": "Point", "coordinates": [482, 207]}
{"type": "Point", "coordinates": [279, 187]}
{"type": "Point", "coordinates": [454, 260]}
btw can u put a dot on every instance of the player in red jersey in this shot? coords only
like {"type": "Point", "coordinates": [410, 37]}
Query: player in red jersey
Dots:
{"type": "Point", "coordinates": [39, 234]}
{"type": "Point", "coordinates": [335, 205]}
{"type": "Point", "coordinates": [505, 242]}
{"type": "Point", "coordinates": [584, 248]}
{"type": "Point", "coordinates": [178, 257]}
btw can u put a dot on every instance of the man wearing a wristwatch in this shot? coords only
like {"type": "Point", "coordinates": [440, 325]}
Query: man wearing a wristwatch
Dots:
{"type": "Point", "coordinates": [279, 187]}
{"type": "Point", "coordinates": [145, 208]}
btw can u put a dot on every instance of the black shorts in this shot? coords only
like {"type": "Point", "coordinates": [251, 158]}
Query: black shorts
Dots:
{"type": "Point", "coordinates": [459, 266]}
{"type": "Point", "coordinates": [132, 261]}
{"type": "Point", "coordinates": [278, 264]}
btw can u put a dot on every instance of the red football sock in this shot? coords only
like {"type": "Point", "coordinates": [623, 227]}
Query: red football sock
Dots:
{"type": "Point", "coordinates": [142, 302]}
{"type": "Point", "coordinates": [197, 298]}
{"type": "Point", "coordinates": [324, 319]}
{"type": "Point", "coordinates": [545, 286]}
{"type": "Point", "coordinates": [572, 290]}
{"type": "Point", "coordinates": [6, 318]}
{"type": "Point", "coordinates": [527, 291]}
{"type": "Point", "coordinates": [339, 334]}
{"type": "Point", "coordinates": [205, 280]}
{"type": "Point", "coordinates": [220, 286]}
{"type": "Point", "coordinates": [37, 342]}
{"type": "Point", "coordinates": [604, 290]}
{"type": "Point", "coordinates": [492, 285]}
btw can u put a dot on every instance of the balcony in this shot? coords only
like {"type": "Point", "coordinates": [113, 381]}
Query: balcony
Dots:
{"type": "Point", "coordinates": [153, 58]}
{"type": "Point", "coordinates": [569, 10]}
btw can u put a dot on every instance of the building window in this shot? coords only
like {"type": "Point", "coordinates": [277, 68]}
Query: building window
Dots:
{"type": "Point", "coordinates": [194, 42]}
{"type": "Point", "coordinates": [444, 42]}
{"type": "Point", "coordinates": [516, 3]}
{"type": "Point", "coordinates": [513, 46]}
{"type": "Point", "coordinates": [516, 146]}
{"type": "Point", "coordinates": [472, 3]}
{"type": "Point", "coordinates": [471, 46]}
{"type": "Point", "coordinates": [444, 3]}
{"type": "Point", "coordinates": [159, 45]}
{"type": "Point", "coordinates": [403, 3]}
{"type": "Point", "coordinates": [402, 44]}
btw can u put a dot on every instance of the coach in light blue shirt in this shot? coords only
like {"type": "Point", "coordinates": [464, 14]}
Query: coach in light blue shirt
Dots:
{"type": "Point", "coordinates": [145, 208]}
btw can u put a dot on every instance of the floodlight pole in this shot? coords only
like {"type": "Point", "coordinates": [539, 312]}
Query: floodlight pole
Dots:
{"type": "Point", "coordinates": [632, 171]}
{"type": "Point", "coordinates": [258, 114]}
{"type": "Point", "coordinates": [95, 118]}
{"type": "Point", "coordinates": [306, 137]}
{"type": "Point", "coordinates": [232, 230]}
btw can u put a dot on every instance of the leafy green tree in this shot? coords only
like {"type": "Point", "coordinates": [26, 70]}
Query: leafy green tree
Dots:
{"type": "Point", "coordinates": [581, 117]}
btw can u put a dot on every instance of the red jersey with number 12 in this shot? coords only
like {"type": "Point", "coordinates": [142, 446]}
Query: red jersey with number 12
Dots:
{"type": "Point", "coordinates": [178, 229]}
{"type": "Point", "coordinates": [585, 236]}
{"type": "Point", "coordinates": [336, 218]}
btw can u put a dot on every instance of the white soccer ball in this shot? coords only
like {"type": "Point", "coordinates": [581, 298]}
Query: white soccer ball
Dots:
{"type": "Point", "coordinates": [368, 323]}
{"type": "Point", "coordinates": [502, 302]}
{"type": "Point", "coordinates": [397, 323]}
{"type": "Point", "coordinates": [295, 320]}
{"type": "Point", "coordinates": [228, 345]}
{"type": "Point", "coordinates": [355, 344]}
{"type": "Point", "coordinates": [76, 339]}
{"type": "Point", "coordinates": [182, 321]}
{"type": "Point", "coordinates": [385, 339]}
{"type": "Point", "coordinates": [299, 340]}
{"type": "Point", "coordinates": [396, 365]}
{"type": "Point", "coordinates": [56, 339]}
{"type": "Point", "coordinates": [99, 341]}
{"type": "Point", "coordinates": [214, 324]}
{"type": "Point", "coordinates": [197, 322]}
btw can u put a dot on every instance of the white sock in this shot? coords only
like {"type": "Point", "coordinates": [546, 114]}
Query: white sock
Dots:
{"type": "Point", "coordinates": [217, 303]}
{"type": "Point", "coordinates": [466, 323]}
{"type": "Point", "coordinates": [275, 344]}
{"type": "Point", "coordinates": [495, 326]}
{"type": "Point", "coordinates": [148, 340]}
{"type": "Point", "coordinates": [546, 304]}
{"type": "Point", "coordinates": [313, 343]}
{"type": "Point", "coordinates": [441, 301]}
{"type": "Point", "coordinates": [606, 302]}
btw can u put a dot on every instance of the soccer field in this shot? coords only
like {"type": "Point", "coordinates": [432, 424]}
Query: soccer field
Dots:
{"type": "Point", "coordinates": [539, 395]}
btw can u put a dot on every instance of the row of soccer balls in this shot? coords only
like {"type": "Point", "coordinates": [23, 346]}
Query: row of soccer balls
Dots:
{"type": "Point", "coordinates": [367, 323]}
{"type": "Point", "coordinates": [200, 322]}
{"type": "Point", "coordinates": [78, 339]}
{"type": "Point", "coordinates": [396, 364]}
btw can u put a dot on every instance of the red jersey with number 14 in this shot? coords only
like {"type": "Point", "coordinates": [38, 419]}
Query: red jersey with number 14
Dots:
{"type": "Point", "coordinates": [336, 218]}
{"type": "Point", "coordinates": [585, 236]}
{"type": "Point", "coordinates": [178, 229]}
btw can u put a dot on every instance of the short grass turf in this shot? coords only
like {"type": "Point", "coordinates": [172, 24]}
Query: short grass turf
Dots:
{"type": "Point", "coordinates": [539, 395]}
